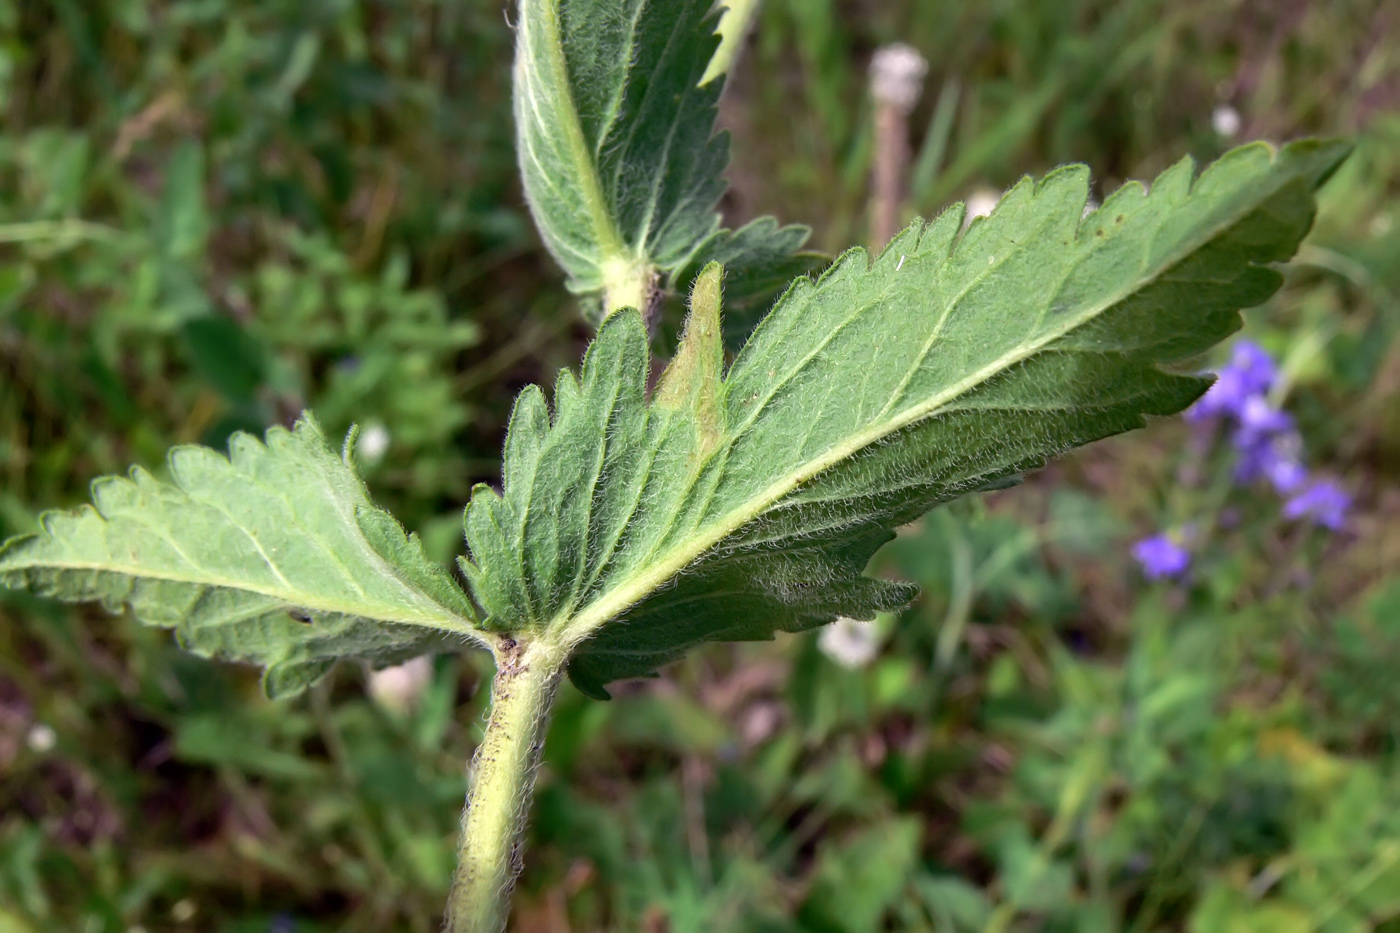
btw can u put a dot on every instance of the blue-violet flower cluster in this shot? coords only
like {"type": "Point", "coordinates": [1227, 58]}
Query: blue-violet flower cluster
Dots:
{"type": "Point", "coordinates": [1161, 557]}
{"type": "Point", "coordinates": [1267, 448]}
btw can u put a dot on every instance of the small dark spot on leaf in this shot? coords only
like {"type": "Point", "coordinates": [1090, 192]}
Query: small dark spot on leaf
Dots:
{"type": "Point", "coordinates": [299, 615]}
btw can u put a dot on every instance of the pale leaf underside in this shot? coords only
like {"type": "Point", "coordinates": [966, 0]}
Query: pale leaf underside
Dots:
{"type": "Point", "coordinates": [631, 530]}
{"type": "Point", "coordinates": [274, 554]}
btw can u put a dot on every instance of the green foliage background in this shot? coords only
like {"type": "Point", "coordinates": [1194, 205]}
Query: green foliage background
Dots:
{"type": "Point", "coordinates": [214, 213]}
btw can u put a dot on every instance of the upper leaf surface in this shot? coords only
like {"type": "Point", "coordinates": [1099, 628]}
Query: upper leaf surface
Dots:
{"type": "Point", "coordinates": [632, 530]}
{"type": "Point", "coordinates": [616, 140]}
{"type": "Point", "coordinates": [234, 544]}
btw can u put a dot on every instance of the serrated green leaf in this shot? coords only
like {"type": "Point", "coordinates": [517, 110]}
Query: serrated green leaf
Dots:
{"type": "Point", "coordinates": [618, 153]}
{"type": "Point", "coordinates": [274, 554]}
{"type": "Point", "coordinates": [629, 531]}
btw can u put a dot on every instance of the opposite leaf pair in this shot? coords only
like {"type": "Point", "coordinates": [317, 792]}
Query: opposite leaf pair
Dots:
{"type": "Point", "coordinates": [731, 504]}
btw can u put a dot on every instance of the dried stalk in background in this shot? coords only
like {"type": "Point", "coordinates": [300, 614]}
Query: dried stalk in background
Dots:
{"type": "Point", "coordinates": [896, 80]}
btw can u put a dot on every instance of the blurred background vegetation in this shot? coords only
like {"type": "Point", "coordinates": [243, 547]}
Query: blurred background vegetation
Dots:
{"type": "Point", "coordinates": [214, 213]}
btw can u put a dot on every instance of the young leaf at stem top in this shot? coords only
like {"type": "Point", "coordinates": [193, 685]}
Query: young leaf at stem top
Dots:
{"type": "Point", "coordinates": [621, 165]}
{"type": "Point", "coordinates": [274, 554]}
{"type": "Point", "coordinates": [732, 507]}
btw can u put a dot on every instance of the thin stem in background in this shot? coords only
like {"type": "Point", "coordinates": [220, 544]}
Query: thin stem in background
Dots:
{"type": "Point", "coordinates": [896, 81]}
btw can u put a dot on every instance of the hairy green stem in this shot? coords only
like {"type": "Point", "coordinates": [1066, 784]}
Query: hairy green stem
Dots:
{"type": "Point", "coordinates": [498, 803]}
{"type": "Point", "coordinates": [629, 283]}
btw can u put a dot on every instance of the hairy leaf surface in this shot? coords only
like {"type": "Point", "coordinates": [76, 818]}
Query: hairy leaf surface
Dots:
{"type": "Point", "coordinates": [615, 136]}
{"type": "Point", "coordinates": [274, 554]}
{"type": "Point", "coordinates": [733, 506]}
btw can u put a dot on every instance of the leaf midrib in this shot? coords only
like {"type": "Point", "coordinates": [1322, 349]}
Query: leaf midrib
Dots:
{"type": "Point", "coordinates": [573, 631]}
{"type": "Point", "coordinates": [445, 621]}
{"type": "Point", "coordinates": [609, 238]}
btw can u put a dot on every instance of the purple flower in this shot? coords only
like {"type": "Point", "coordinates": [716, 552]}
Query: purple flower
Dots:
{"type": "Point", "coordinates": [1255, 367]}
{"type": "Point", "coordinates": [1257, 416]}
{"type": "Point", "coordinates": [1267, 446]}
{"type": "Point", "coordinates": [1161, 557]}
{"type": "Point", "coordinates": [1286, 474]}
{"type": "Point", "coordinates": [1222, 398]}
{"type": "Point", "coordinates": [1325, 502]}
{"type": "Point", "coordinates": [1273, 457]}
{"type": "Point", "coordinates": [1250, 374]}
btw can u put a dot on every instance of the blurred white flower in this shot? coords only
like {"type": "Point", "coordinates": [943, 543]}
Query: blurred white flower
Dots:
{"type": "Point", "coordinates": [40, 738]}
{"type": "Point", "coordinates": [980, 203]}
{"type": "Point", "coordinates": [897, 75]}
{"type": "Point", "coordinates": [373, 443]}
{"type": "Point", "coordinates": [1225, 120]}
{"type": "Point", "coordinates": [399, 689]}
{"type": "Point", "coordinates": [850, 643]}
{"type": "Point", "coordinates": [759, 722]}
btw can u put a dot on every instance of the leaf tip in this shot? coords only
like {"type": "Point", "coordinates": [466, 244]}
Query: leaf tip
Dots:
{"type": "Point", "coordinates": [706, 294]}
{"type": "Point", "coordinates": [1322, 156]}
{"type": "Point", "coordinates": [903, 244]}
{"type": "Point", "coordinates": [286, 679]}
{"type": "Point", "coordinates": [347, 449]}
{"type": "Point", "coordinates": [693, 378]}
{"type": "Point", "coordinates": [10, 567]}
